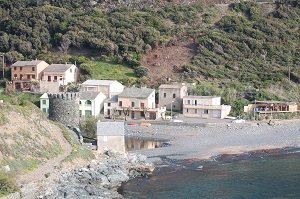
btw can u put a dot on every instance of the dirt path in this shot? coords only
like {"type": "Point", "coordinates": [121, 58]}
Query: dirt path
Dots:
{"type": "Point", "coordinates": [33, 182]}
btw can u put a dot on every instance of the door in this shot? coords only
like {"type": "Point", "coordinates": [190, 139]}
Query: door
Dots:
{"type": "Point", "coordinates": [152, 116]}
{"type": "Point", "coordinates": [132, 114]}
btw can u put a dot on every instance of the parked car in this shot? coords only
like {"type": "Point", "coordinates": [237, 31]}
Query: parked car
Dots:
{"type": "Point", "coordinates": [238, 121]}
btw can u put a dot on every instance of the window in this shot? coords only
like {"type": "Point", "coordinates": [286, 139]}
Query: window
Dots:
{"type": "Point", "coordinates": [88, 102]}
{"type": "Point", "coordinates": [21, 68]}
{"type": "Point", "coordinates": [174, 95]}
{"type": "Point", "coordinates": [195, 102]}
{"type": "Point", "coordinates": [44, 101]}
{"type": "Point", "coordinates": [205, 111]}
{"type": "Point", "coordinates": [28, 76]}
{"type": "Point", "coordinates": [120, 112]}
{"type": "Point", "coordinates": [80, 102]}
{"type": "Point", "coordinates": [87, 113]}
{"type": "Point", "coordinates": [60, 78]}
{"type": "Point", "coordinates": [80, 113]}
{"type": "Point", "coordinates": [120, 103]}
{"type": "Point", "coordinates": [174, 106]}
{"type": "Point", "coordinates": [49, 78]}
{"type": "Point", "coordinates": [55, 78]}
{"type": "Point", "coordinates": [195, 110]}
{"type": "Point", "coordinates": [187, 110]}
{"type": "Point", "coordinates": [165, 95]}
{"type": "Point", "coordinates": [132, 104]}
{"type": "Point", "coordinates": [15, 75]}
{"type": "Point", "coordinates": [21, 76]}
{"type": "Point", "coordinates": [33, 68]}
{"type": "Point", "coordinates": [44, 110]}
{"type": "Point", "coordinates": [142, 114]}
{"type": "Point", "coordinates": [189, 102]}
{"type": "Point", "coordinates": [142, 105]}
{"type": "Point", "coordinates": [70, 70]}
{"type": "Point", "coordinates": [15, 68]}
{"type": "Point", "coordinates": [108, 104]}
{"type": "Point", "coordinates": [33, 76]}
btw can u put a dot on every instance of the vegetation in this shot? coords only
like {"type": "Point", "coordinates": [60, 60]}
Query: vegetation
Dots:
{"type": "Point", "coordinates": [7, 184]}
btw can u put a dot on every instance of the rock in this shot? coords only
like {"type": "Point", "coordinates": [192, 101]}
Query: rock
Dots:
{"type": "Point", "coordinates": [5, 168]}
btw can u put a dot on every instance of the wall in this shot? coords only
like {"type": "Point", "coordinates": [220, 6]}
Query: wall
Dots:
{"type": "Point", "coordinates": [70, 76]}
{"type": "Point", "coordinates": [115, 89]}
{"type": "Point", "coordinates": [148, 102]}
{"type": "Point", "coordinates": [113, 143]}
{"type": "Point", "coordinates": [217, 112]}
{"type": "Point", "coordinates": [44, 106]}
{"type": "Point", "coordinates": [166, 101]}
{"type": "Point", "coordinates": [106, 108]}
{"type": "Point", "coordinates": [64, 108]}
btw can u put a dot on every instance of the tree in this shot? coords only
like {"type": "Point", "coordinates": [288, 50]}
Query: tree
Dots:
{"type": "Point", "coordinates": [126, 112]}
{"type": "Point", "coordinates": [64, 44]}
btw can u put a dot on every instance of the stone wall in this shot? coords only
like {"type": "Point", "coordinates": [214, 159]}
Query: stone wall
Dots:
{"type": "Point", "coordinates": [64, 108]}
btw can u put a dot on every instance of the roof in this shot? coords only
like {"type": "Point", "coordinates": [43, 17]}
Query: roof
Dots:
{"type": "Point", "coordinates": [134, 92]}
{"type": "Point", "coordinates": [174, 85]}
{"type": "Point", "coordinates": [44, 96]}
{"type": "Point", "coordinates": [201, 97]}
{"type": "Point", "coordinates": [58, 67]}
{"type": "Point", "coordinates": [99, 82]}
{"type": "Point", "coordinates": [89, 95]}
{"type": "Point", "coordinates": [27, 63]}
{"type": "Point", "coordinates": [275, 102]}
{"type": "Point", "coordinates": [113, 99]}
{"type": "Point", "coordinates": [110, 129]}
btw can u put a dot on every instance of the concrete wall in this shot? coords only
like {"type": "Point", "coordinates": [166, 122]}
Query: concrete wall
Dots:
{"type": "Point", "coordinates": [217, 112]}
{"type": "Point", "coordinates": [112, 106]}
{"type": "Point", "coordinates": [70, 75]}
{"type": "Point", "coordinates": [64, 108]}
{"type": "Point", "coordinates": [148, 102]}
{"type": "Point", "coordinates": [96, 105]}
{"type": "Point", "coordinates": [113, 143]}
{"type": "Point", "coordinates": [115, 89]}
{"type": "Point", "coordinates": [45, 106]}
{"type": "Point", "coordinates": [49, 87]}
{"type": "Point", "coordinates": [201, 100]}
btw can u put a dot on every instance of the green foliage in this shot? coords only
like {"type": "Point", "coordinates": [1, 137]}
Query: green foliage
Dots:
{"type": "Point", "coordinates": [88, 126]}
{"type": "Point", "coordinates": [7, 184]}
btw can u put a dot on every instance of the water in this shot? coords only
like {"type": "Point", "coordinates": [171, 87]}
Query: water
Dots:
{"type": "Point", "coordinates": [133, 143]}
{"type": "Point", "coordinates": [246, 176]}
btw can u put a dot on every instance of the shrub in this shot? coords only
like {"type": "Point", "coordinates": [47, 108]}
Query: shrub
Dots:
{"type": "Point", "coordinates": [7, 184]}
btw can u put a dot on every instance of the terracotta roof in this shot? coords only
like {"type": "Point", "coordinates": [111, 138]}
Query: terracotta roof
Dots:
{"type": "Point", "coordinates": [134, 92]}
{"type": "Point", "coordinates": [27, 63]}
{"type": "Point", "coordinates": [58, 67]}
{"type": "Point", "coordinates": [175, 85]}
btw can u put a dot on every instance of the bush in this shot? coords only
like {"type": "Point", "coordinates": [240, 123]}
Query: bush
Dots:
{"type": "Point", "coordinates": [7, 184]}
{"type": "Point", "coordinates": [141, 71]}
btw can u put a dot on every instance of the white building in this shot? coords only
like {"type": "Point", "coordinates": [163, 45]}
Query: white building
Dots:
{"type": "Point", "coordinates": [44, 103]}
{"type": "Point", "coordinates": [91, 103]}
{"type": "Point", "coordinates": [205, 107]}
{"type": "Point", "coordinates": [109, 88]}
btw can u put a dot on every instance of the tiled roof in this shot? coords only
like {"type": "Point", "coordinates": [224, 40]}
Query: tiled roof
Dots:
{"type": "Point", "coordinates": [58, 67]}
{"type": "Point", "coordinates": [175, 85]}
{"type": "Point", "coordinates": [88, 95]}
{"type": "Point", "coordinates": [110, 129]}
{"type": "Point", "coordinates": [27, 63]}
{"type": "Point", "coordinates": [98, 82]}
{"type": "Point", "coordinates": [134, 92]}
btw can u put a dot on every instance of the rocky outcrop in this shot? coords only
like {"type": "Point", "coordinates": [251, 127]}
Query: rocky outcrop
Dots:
{"type": "Point", "coordinates": [100, 178]}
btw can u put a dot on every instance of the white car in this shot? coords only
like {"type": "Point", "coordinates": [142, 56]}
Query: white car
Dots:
{"type": "Point", "coordinates": [238, 121]}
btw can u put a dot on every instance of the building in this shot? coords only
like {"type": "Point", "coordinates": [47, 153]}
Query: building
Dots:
{"type": "Point", "coordinates": [110, 136]}
{"type": "Point", "coordinates": [205, 107]}
{"type": "Point", "coordinates": [139, 103]}
{"type": "Point", "coordinates": [110, 107]}
{"type": "Point", "coordinates": [109, 88]}
{"type": "Point", "coordinates": [44, 103]}
{"type": "Point", "coordinates": [172, 94]}
{"type": "Point", "coordinates": [26, 75]}
{"type": "Point", "coordinates": [91, 103]}
{"type": "Point", "coordinates": [56, 75]}
{"type": "Point", "coordinates": [270, 107]}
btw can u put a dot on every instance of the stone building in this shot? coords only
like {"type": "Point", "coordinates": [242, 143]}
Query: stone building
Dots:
{"type": "Point", "coordinates": [205, 107]}
{"type": "Point", "coordinates": [172, 94]}
{"type": "Point", "coordinates": [64, 108]}
{"type": "Point", "coordinates": [111, 136]}
{"type": "Point", "coordinates": [110, 88]}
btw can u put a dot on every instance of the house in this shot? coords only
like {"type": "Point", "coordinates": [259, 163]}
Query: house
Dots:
{"type": "Point", "coordinates": [139, 103]}
{"type": "Point", "coordinates": [109, 88]}
{"type": "Point", "coordinates": [44, 103]}
{"type": "Point", "coordinates": [56, 75]}
{"type": "Point", "coordinates": [110, 107]}
{"type": "Point", "coordinates": [110, 136]}
{"type": "Point", "coordinates": [205, 107]}
{"type": "Point", "coordinates": [91, 103]}
{"type": "Point", "coordinates": [172, 95]}
{"type": "Point", "coordinates": [269, 107]}
{"type": "Point", "coordinates": [26, 75]}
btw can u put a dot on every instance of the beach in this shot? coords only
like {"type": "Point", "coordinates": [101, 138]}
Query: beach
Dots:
{"type": "Point", "coordinates": [198, 142]}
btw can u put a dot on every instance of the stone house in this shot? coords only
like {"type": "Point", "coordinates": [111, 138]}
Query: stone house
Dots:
{"type": "Point", "coordinates": [111, 136]}
{"type": "Point", "coordinates": [109, 88]}
{"type": "Point", "coordinates": [44, 103]}
{"type": "Point", "coordinates": [110, 107]}
{"type": "Point", "coordinates": [172, 94]}
{"type": "Point", "coordinates": [91, 103]}
{"type": "Point", "coordinates": [205, 107]}
{"type": "Point", "coordinates": [24, 73]}
{"type": "Point", "coordinates": [56, 75]}
{"type": "Point", "coordinates": [139, 103]}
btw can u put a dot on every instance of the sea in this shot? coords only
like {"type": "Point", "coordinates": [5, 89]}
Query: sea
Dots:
{"type": "Point", "coordinates": [257, 174]}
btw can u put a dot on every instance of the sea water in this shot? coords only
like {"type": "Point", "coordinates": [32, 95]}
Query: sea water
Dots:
{"type": "Point", "coordinates": [253, 175]}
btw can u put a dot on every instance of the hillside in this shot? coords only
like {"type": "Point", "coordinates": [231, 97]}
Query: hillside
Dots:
{"type": "Point", "coordinates": [242, 51]}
